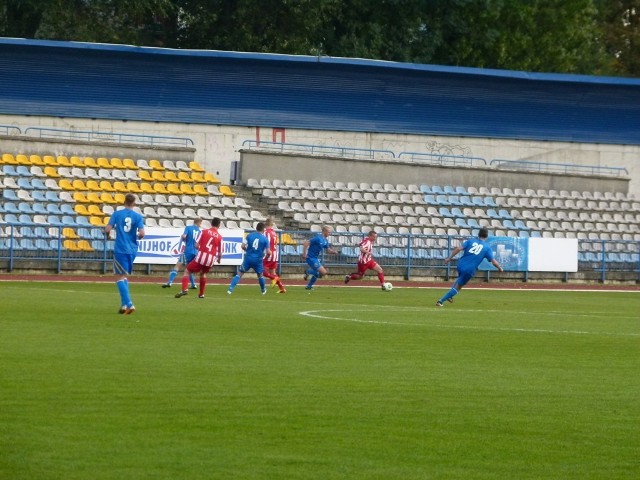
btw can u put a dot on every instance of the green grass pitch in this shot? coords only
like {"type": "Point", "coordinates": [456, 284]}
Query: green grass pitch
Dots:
{"type": "Point", "coordinates": [339, 383]}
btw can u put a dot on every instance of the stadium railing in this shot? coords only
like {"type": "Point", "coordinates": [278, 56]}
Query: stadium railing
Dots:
{"type": "Point", "coordinates": [406, 254]}
{"type": "Point", "coordinates": [120, 138]}
{"type": "Point", "coordinates": [442, 159]}
{"type": "Point", "coordinates": [10, 130]}
{"type": "Point", "coordinates": [563, 168]}
{"type": "Point", "coordinates": [322, 150]}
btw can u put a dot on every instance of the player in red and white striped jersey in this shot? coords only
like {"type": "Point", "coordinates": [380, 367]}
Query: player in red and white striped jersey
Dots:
{"type": "Point", "coordinates": [271, 262]}
{"type": "Point", "coordinates": [366, 261]}
{"type": "Point", "coordinates": [209, 252]}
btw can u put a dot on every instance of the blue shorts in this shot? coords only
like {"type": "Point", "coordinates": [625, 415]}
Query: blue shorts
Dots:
{"type": "Point", "coordinates": [464, 277]}
{"type": "Point", "coordinates": [252, 263]}
{"type": "Point", "coordinates": [123, 263]}
{"type": "Point", "coordinates": [185, 259]}
{"type": "Point", "coordinates": [314, 263]}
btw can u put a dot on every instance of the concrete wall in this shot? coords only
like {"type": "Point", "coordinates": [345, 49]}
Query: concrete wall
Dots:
{"type": "Point", "coordinates": [297, 167]}
{"type": "Point", "coordinates": [217, 146]}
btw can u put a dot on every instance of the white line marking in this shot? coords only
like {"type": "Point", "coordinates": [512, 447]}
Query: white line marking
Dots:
{"type": "Point", "coordinates": [317, 314]}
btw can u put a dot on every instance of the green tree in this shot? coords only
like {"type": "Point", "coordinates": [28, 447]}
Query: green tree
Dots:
{"type": "Point", "coordinates": [620, 21]}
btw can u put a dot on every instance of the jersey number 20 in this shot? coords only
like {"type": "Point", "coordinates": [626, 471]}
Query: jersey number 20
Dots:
{"type": "Point", "coordinates": [476, 248]}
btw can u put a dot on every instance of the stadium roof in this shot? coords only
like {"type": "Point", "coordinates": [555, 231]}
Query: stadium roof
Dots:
{"type": "Point", "coordinates": [69, 79]}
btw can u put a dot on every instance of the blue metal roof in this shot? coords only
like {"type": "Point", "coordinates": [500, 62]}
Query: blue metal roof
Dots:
{"type": "Point", "coordinates": [231, 88]}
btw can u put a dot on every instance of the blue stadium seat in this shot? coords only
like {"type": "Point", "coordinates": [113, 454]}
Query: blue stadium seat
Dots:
{"type": "Point", "coordinates": [426, 189]}
{"type": "Point", "coordinates": [478, 201]}
{"type": "Point", "coordinates": [54, 220]}
{"type": "Point", "coordinates": [466, 201]}
{"type": "Point", "coordinates": [437, 189]}
{"type": "Point", "coordinates": [25, 208]}
{"type": "Point", "coordinates": [54, 209]}
{"type": "Point", "coordinates": [473, 223]}
{"type": "Point", "coordinates": [39, 208]}
{"type": "Point", "coordinates": [506, 223]}
{"type": "Point", "coordinates": [23, 171]}
{"type": "Point", "coordinates": [55, 245]}
{"type": "Point", "coordinates": [11, 218]}
{"type": "Point", "coordinates": [68, 221]}
{"type": "Point", "coordinates": [449, 190]}
{"type": "Point", "coordinates": [25, 184]}
{"type": "Point", "coordinates": [461, 222]}
{"type": "Point", "coordinates": [461, 190]}
{"type": "Point", "coordinates": [11, 207]}
{"type": "Point", "coordinates": [444, 211]}
{"type": "Point", "coordinates": [98, 245]}
{"type": "Point", "coordinates": [490, 202]}
{"type": "Point", "coordinates": [504, 214]}
{"type": "Point", "coordinates": [38, 184]}
{"type": "Point", "coordinates": [456, 212]}
{"type": "Point", "coordinates": [80, 220]}
{"type": "Point", "coordinates": [41, 232]}
{"type": "Point", "coordinates": [9, 195]}
{"type": "Point", "coordinates": [67, 209]}
{"type": "Point", "coordinates": [26, 232]}
{"type": "Point", "coordinates": [52, 196]}
{"type": "Point", "coordinates": [520, 225]}
{"type": "Point", "coordinates": [39, 196]}
{"type": "Point", "coordinates": [10, 170]}
{"type": "Point", "coordinates": [27, 244]}
{"type": "Point", "coordinates": [491, 213]}
{"type": "Point", "coordinates": [24, 218]}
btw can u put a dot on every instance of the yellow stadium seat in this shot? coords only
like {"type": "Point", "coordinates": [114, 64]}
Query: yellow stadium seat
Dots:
{"type": "Point", "coordinates": [22, 160]}
{"type": "Point", "coordinates": [121, 187]}
{"type": "Point", "coordinates": [160, 188]}
{"type": "Point", "coordinates": [96, 221]}
{"type": "Point", "coordinates": [226, 191]}
{"type": "Point", "coordinates": [90, 162]}
{"type": "Point", "coordinates": [156, 165]}
{"type": "Point", "coordinates": [84, 245]}
{"type": "Point", "coordinates": [158, 176]}
{"type": "Point", "coordinates": [95, 210]}
{"type": "Point", "coordinates": [135, 188]}
{"type": "Point", "coordinates": [200, 190]}
{"type": "Point", "coordinates": [146, 188]}
{"type": "Point", "coordinates": [81, 209]}
{"type": "Point", "coordinates": [174, 188]}
{"type": "Point", "coordinates": [106, 197]}
{"type": "Point", "coordinates": [80, 197]}
{"type": "Point", "coordinates": [93, 197]}
{"type": "Point", "coordinates": [69, 232]}
{"type": "Point", "coordinates": [36, 160]}
{"type": "Point", "coordinates": [171, 176]}
{"type": "Point", "coordinates": [288, 240]}
{"type": "Point", "coordinates": [195, 166]}
{"type": "Point", "coordinates": [119, 197]}
{"type": "Point", "coordinates": [51, 172]}
{"type": "Point", "coordinates": [145, 176]}
{"type": "Point", "coordinates": [197, 177]}
{"type": "Point", "coordinates": [106, 186]}
{"type": "Point", "coordinates": [117, 163]}
{"type": "Point", "coordinates": [70, 245]}
{"type": "Point", "coordinates": [76, 162]}
{"type": "Point", "coordinates": [103, 163]}
{"type": "Point", "coordinates": [93, 186]}
{"type": "Point", "coordinates": [79, 185]}
{"type": "Point", "coordinates": [64, 161]}
{"type": "Point", "coordinates": [184, 177]}
{"type": "Point", "coordinates": [211, 178]}
{"type": "Point", "coordinates": [187, 189]}
{"type": "Point", "coordinates": [9, 159]}
{"type": "Point", "coordinates": [50, 160]}
{"type": "Point", "coordinates": [66, 185]}
{"type": "Point", "coordinates": [130, 164]}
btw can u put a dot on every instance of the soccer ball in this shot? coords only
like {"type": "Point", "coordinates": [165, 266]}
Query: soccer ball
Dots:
{"type": "Point", "coordinates": [387, 286]}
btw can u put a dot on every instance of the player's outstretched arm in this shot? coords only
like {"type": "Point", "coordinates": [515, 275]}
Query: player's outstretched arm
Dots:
{"type": "Point", "coordinates": [305, 247]}
{"type": "Point", "coordinates": [141, 234]}
{"type": "Point", "coordinates": [456, 251]}
{"type": "Point", "coordinates": [497, 265]}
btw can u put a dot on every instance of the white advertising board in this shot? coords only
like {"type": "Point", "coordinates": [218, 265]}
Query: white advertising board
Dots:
{"type": "Point", "coordinates": [553, 255]}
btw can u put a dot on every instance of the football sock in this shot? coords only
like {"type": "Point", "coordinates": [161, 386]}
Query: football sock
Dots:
{"type": "Point", "coordinates": [381, 278]}
{"type": "Point", "coordinates": [269, 275]}
{"type": "Point", "coordinates": [234, 282]}
{"type": "Point", "coordinates": [312, 280]}
{"type": "Point", "coordinates": [185, 281]}
{"type": "Point", "coordinates": [192, 279]}
{"type": "Point", "coordinates": [123, 289]}
{"type": "Point", "coordinates": [203, 284]}
{"type": "Point", "coordinates": [172, 276]}
{"type": "Point", "coordinates": [451, 293]}
{"type": "Point", "coordinates": [279, 283]}
{"type": "Point", "coordinates": [311, 271]}
{"type": "Point", "coordinates": [261, 282]}
{"type": "Point", "coordinates": [355, 276]}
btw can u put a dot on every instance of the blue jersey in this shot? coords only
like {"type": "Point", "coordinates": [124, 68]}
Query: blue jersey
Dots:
{"type": "Point", "coordinates": [257, 244]}
{"type": "Point", "coordinates": [475, 251]}
{"type": "Point", "coordinates": [126, 223]}
{"type": "Point", "coordinates": [192, 233]}
{"type": "Point", "coordinates": [316, 245]}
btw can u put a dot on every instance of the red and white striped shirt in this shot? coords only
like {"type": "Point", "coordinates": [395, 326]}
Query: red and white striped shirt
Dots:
{"type": "Point", "coordinates": [209, 247]}
{"type": "Point", "coordinates": [272, 236]}
{"type": "Point", "coordinates": [366, 250]}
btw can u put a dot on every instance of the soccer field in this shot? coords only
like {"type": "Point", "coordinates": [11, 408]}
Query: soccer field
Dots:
{"type": "Point", "coordinates": [338, 383]}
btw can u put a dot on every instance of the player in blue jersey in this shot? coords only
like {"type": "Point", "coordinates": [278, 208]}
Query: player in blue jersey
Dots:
{"type": "Point", "coordinates": [475, 251]}
{"type": "Point", "coordinates": [190, 240]}
{"type": "Point", "coordinates": [129, 228]}
{"type": "Point", "coordinates": [255, 246]}
{"type": "Point", "coordinates": [312, 249]}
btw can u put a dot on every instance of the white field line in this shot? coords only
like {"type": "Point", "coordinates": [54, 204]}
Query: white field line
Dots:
{"type": "Point", "coordinates": [319, 314]}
